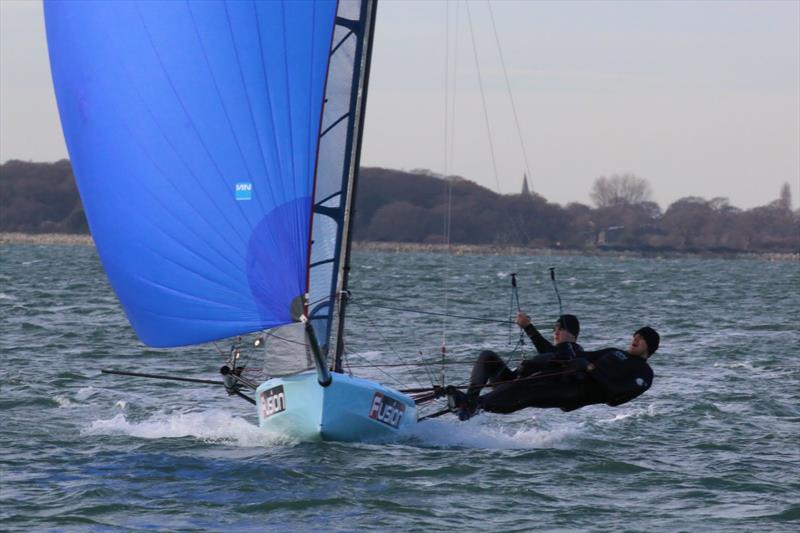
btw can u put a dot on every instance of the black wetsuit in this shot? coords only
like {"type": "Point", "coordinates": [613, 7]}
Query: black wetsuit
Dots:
{"type": "Point", "coordinates": [550, 356]}
{"type": "Point", "coordinates": [490, 367]}
{"type": "Point", "coordinates": [620, 376]}
{"type": "Point", "coordinates": [617, 377]}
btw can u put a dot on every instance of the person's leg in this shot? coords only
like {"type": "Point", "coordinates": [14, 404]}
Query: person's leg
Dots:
{"type": "Point", "coordinates": [488, 367]}
{"type": "Point", "coordinates": [541, 394]}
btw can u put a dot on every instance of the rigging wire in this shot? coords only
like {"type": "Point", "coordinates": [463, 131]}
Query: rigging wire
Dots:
{"type": "Point", "coordinates": [450, 148]}
{"type": "Point", "coordinates": [533, 377]}
{"type": "Point", "coordinates": [448, 191]}
{"type": "Point", "coordinates": [520, 344]}
{"type": "Point", "coordinates": [555, 287]}
{"type": "Point", "coordinates": [420, 363]}
{"type": "Point", "coordinates": [450, 106]}
{"type": "Point", "coordinates": [516, 223]}
{"type": "Point", "coordinates": [510, 94]}
{"type": "Point", "coordinates": [502, 321]}
{"type": "Point", "coordinates": [219, 350]}
{"type": "Point", "coordinates": [514, 297]}
{"type": "Point", "coordinates": [389, 344]}
{"type": "Point", "coordinates": [483, 97]}
{"type": "Point", "coordinates": [450, 115]}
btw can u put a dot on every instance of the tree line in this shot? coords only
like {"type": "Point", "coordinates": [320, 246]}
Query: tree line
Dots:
{"type": "Point", "coordinates": [40, 198]}
{"type": "Point", "coordinates": [422, 207]}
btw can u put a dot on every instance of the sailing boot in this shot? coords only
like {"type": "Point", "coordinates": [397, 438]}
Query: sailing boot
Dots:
{"type": "Point", "coordinates": [459, 403]}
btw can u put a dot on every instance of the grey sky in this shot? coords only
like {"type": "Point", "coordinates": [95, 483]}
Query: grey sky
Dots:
{"type": "Point", "coordinates": [700, 98]}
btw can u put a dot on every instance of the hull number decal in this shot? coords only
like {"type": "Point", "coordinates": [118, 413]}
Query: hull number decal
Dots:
{"type": "Point", "coordinates": [387, 410]}
{"type": "Point", "coordinates": [273, 401]}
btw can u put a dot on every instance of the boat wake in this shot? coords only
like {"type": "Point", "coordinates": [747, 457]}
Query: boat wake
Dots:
{"type": "Point", "coordinates": [221, 427]}
{"type": "Point", "coordinates": [213, 426]}
{"type": "Point", "coordinates": [647, 411]}
{"type": "Point", "coordinates": [485, 432]}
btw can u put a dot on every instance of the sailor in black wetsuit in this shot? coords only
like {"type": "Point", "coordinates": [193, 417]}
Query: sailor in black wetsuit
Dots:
{"type": "Point", "coordinates": [609, 376]}
{"type": "Point", "coordinates": [565, 345]}
{"type": "Point", "coordinates": [490, 367]}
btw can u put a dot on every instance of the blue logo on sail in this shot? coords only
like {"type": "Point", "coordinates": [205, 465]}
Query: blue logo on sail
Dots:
{"type": "Point", "coordinates": [244, 191]}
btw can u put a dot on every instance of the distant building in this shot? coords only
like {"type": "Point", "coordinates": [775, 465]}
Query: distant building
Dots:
{"type": "Point", "coordinates": [525, 189]}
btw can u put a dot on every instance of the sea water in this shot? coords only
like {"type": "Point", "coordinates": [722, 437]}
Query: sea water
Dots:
{"type": "Point", "coordinates": [715, 444]}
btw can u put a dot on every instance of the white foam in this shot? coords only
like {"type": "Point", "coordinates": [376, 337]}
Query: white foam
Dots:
{"type": "Point", "coordinates": [746, 365]}
{"type": "Point", "coordinates": [85, 393]}
{"type": "Point", "coordinates": [752, 370]}
{"type": "Point", "coordinates": [640, 412]}
{"type": "Point", "coordinates": [4, 296]}
{"type": "Point", "coordinates": [63, 401]}
{"type": "Point", "coordinates": [483, 432]}
{"type": "Point", "coordinates": [617, 418]}
{"type": "Point", "coordinates": [208, 426]}
{"type": "Point", "coordinates": [730, 408]}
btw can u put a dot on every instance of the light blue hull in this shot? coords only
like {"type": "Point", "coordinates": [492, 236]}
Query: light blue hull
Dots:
{"type": "Point", "coordinates": [348, 409]}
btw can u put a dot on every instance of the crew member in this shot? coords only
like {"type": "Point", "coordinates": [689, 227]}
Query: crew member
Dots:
{"type": "Point", "coordinates": [490, 366]}
{"type": "Point", "coordinates": [609, 376]}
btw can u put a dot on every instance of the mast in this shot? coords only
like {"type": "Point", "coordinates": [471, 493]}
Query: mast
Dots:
{"type": "Point", "coordinates": [359, 106]}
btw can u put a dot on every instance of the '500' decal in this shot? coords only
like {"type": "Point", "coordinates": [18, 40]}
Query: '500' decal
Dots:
{"type": "Point", "coordinates": [273, 401]}
{"type": "Point", "coordinates": [387, 410]}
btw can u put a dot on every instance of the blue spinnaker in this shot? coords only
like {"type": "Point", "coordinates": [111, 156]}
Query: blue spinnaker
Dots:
{"type": "Point", "coordinates": [193, 128]}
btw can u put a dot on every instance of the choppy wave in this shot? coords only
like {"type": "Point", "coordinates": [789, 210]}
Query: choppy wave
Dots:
{"type": "Point", "coordinates": [63, 401]}
{"type": "Point", "coordinates": [635, 412]}
{"type": "Point", "coordinates": [712, 442]}
{"type": "Point", "coordinates": [207, 426]}
{"type": "Point", "coordinates": [484, 432]}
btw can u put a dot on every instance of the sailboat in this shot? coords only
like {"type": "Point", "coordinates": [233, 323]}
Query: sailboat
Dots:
{"type": "Point", "coordinates": [216, 149]}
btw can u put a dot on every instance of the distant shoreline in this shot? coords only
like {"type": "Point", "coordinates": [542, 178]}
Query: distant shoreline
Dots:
{"type": "Point", "coordinates": [491, 249]}
{"type": "Point", "coordinates": [67, 239]}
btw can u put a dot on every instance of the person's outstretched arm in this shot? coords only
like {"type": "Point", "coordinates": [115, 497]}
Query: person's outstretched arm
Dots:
{"type": "Point", "coordinates": [541, 344]}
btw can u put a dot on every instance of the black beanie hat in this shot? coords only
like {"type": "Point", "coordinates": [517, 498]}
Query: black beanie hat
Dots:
{"type": "Point", "coordinates": [570, 323]}
{"type": "Point", "coordinates": [651, 337]}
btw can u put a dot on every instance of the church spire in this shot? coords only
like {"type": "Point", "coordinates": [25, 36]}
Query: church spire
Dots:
{"type": "Point", "coordinates": [525, 190]}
